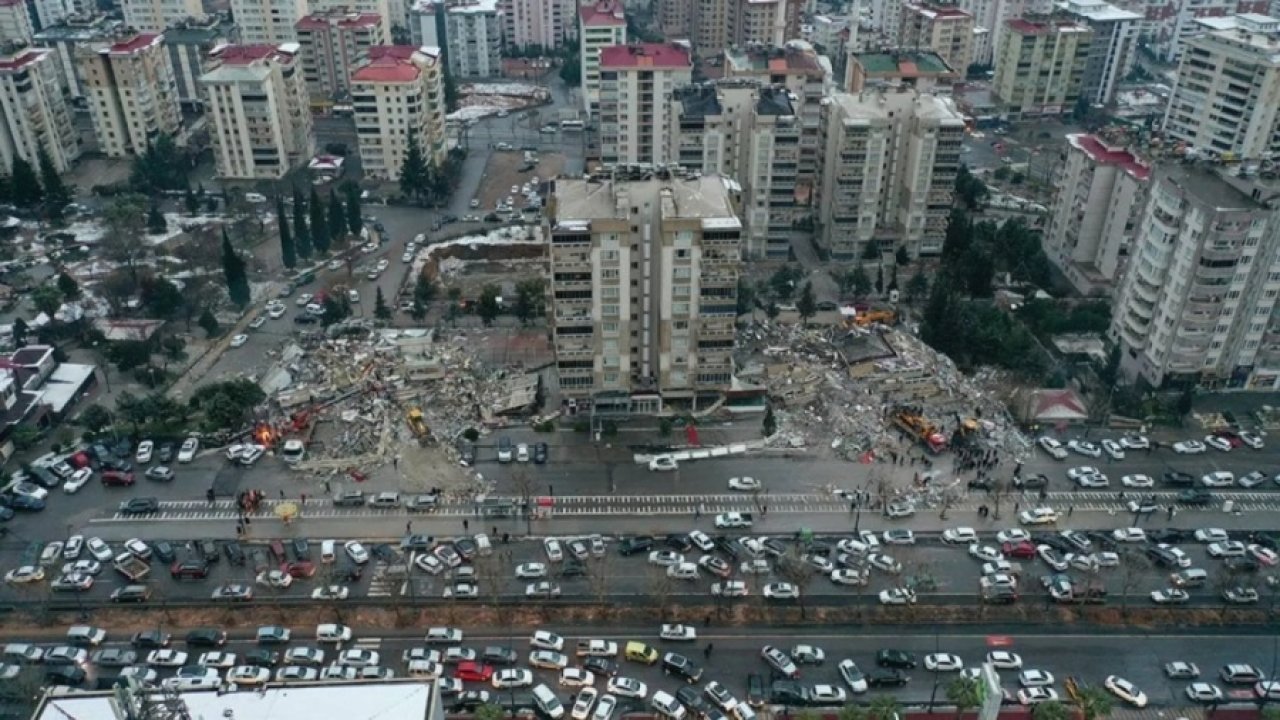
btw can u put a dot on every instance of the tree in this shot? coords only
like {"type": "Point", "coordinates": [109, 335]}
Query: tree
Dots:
{"type": "Point", "coordinates": [770, 424]}
{"type": "Point", "coordinates": [871, 251]}
{"type": "Point", "coordinates": [190, 201]}
{"type": "Point", "coordinates": [746, 296]}
{"type": "Point", "coordinates": [880, 280]}
{"type": "Point", "coordinates": [902, 257]}
{"type": "Point", "coordinates": [156, 224]}
{"type": "Point", "coordinates": [1094, 703]}
{"type": "Point", "coordinates": [25, 437]}
{"type": "Point", "coordinates": [380, 308]}
{"type": "Point", "coordinates": [68, 286]}
{"type": "Point", "coordinates": [530, 299]}
{"type": "Point", "coordinates": [783, 282]}
{"type": "Point", "coordinates": [917, 286]}
{"type": "Point", "coordinates": [47, 299]}
{"type": "Point", "coordinates": [970, 190]}
{"type": "Point", "coordinates": [571, 71]}
{"type": "Point", "coordinates": [806, 305]}
{"type": "Point", "coordinates": [301, 235]}
{"type": "Point", "coordinates": [1050, 710]}
{"type": "Point", "coordinates": [288, 253]}
{"type": "Point", "coordinates": [161, 298]}
{"type": "Point", "coordinates": [418, 311]}
{"type": "Point", "coordinates": [233, 270]}
{"type": "Point", "coordinates": [226, 405]}
{"type": "Point", "coordinates": [488, 308]}
{"type": "Point", "coordinates": [771, 310]}
{"type": "Point", "coordinates": [883, 707]}
{"type": "Point", "coordinates": [337, 218]}
{"type": "Point", "coordinates": [489, 711]}
{"type": "Point", "coordinates": [56, 193]}
{"type": "Point", "coordinates": [336, 309]}
{"type": "Point", "coordinates": [965, 694]}
{"type": "Point", "coordinates": [424, 290]}
{"type": "Point", "coordinates": [319, 224]}
{"type": "Point", "coordinates": [354, 220]}
{"type": "Point", "coordinates": [128, 354]}
{"type": "Point", "coordinates": [1186, 401]}
{"type": "Point", "coordinates": [208, 323]}
{"type": "Point", "coordinates": [859, 281]}
{"type": "Point", "coordinates": [27, 192]}
{"type": "Point", "coordinates": [123, 242]}
{"type": "Point", "coordinates": [414, 171]}
{"type": "Point", "coordinates": [162, 166]}
{"type": "Point", "coordinates": [94, 418]}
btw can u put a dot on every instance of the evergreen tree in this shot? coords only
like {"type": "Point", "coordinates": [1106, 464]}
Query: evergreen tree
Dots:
{"type": "Point", "coordinates": [488, 308]}
{"type": "Point", "coordinates": [68, 286]}
{"type": "Point", "coordinates": [191, 202]}
{"type": "Point", "coordinates": [26, 188]}
{"type": "Point", "coordinates": [380, 308]}
{"type": "Point", "coordinates": [208, 322]}
{"type": "Point", "coordinates": [807, 306]}
{"type": "Point", "coordinates": [301, 235]}
{"type": "Point", "coordinates": [319, 224]}
{"type": "Point", "coordinates": [337, 218]}
{"type": "Point", "coordinates": [57, 196]}
{"type": "Point", "coordinates": [414, 172]}
{"type": "Point", "coordinates": [354, 221]}
{"type": "Point", "coordinates": [156, 224]}
{"type": "Point", "coordinates": [233, 268]}
{"type": "Point", "coordinates": [288, 254]}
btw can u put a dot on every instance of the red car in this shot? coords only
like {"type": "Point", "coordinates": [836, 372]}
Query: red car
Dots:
{"type": "Point", "coordinates": [300, 569]}
{"type": "Point", "coordinates": [1024, 550]}
{"type": "Point", "coordinates": [115, 477]}
{"type": "Point", "coordinates": [473, 672]}
{"type": "Point", "coordinates": [189, 570]}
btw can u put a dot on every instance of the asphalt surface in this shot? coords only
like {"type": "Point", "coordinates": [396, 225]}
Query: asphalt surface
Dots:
{"type": "Point", "coordinates": [735, 654]}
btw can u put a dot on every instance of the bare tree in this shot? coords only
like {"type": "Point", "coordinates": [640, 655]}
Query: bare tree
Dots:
{"type": "Point", "coordinates": [1135, 573]}
{"type": "Point", "coordinates": [493, 571]}
{"type": "Point", "coordinates": [795, 569]}
{"type": "Point", "coordinates": [660, 587]}
{"type": "Point", "coordinates": [1227, 578]}
{"type": "Point", "coordinates": [599, 580]}
{"type": "Point", "coordinates": [522, 481]}
{"type": "Point", "coordinates": [125, 239]}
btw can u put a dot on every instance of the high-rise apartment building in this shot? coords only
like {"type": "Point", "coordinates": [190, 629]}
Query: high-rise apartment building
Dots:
{"type": "Point", "coordinates": [474, 33]}
{"type": "Point", "coordinates": [189, 45]}
{"type": "Point", "coordinates": [889, 171]}
{"type": "Point", "coordinates": [156, 15]}
{"type": "Point", "coordinates": [921, 70]}
{"type": "Point", "coordinates": [332, 44]}
{"type": "Point", "coordinates": [1174, 22]}
{"type": "Point", "coordinates": [259, 111]}
{"type": "Point", "coordinates": [768, 176]}
{"type": "Point", "coordinates": [636, 83]}
{"type": "Point", "coordinates": [758, 22]}
{"type": "Point", "coordinates": [945, 29]}
{"type": "Point", "coordinates": [602, 24]}
{"type": "Point", "coordinates": [644, 289]}
{"type": "Point", "coordinates": [711, 22]}
{"type": "Point", "coordinates": [1200, 294]}
{"type": "Point", "coordinates": [675, 18]}
{"type": "Point", "coordinates": [1100, 192]}
{"type": "Point", "coordinates": [1110, 57]}
{"type": "Point", "coordinates": [707, 124]}
{"type": "Point", "coordinates": [47, 13]}
{"type": "Point", "coordinates": [268, 22]}
{"type": "Point", "coordinates": [67, 37]}
{"type": "Point", "coordinates": [1226, 99]}
{"type": "Point", "coordinates": [131, 92]}
{"type": "Point", "coordinates": [1040, 68]}
{"type": "Point", "coordinates": [426, 23]}
{"type": "Point", "coordinates": [34, 113]}
{"type": "Point", "coordinates": [398, 94]}
{"type": "Point", "coordinates": [543, 23]}
{"type": "Point", "coordinates": [15, 22]}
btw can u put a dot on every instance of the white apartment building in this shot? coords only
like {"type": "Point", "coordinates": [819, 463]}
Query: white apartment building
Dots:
{"type": "Point", "coordinates": [189, 45]}
{"type": "Point", "coordinates": [1226, 99]}
{"type": "Point", "coordinates": [474, 33]}
{"type": "Point", "coordinates": [259, 114]}
{"type": "Point", "coordinates": [332, 45]}
{"type": "Point", "coordinates": [268, 22]}
{"type": "Point", "coordinates": [131, 92]}
{"type": "Point", "coordinates": [1178, 21]}
{"type": "Point", "coordinates": [33, 111]}
{"type": "Point", "coordinates": [1110, 57]}
{"type": "Point", "coordinates": [1040, 67]}
{"type": "Point", "coordinates": [768, 176]}
{"type": "Point", "coordinates": [67, 37]}
{"type": "Point", "coordinates": [542, 23]}
{"type": "Point", "coordinates": [399, 92]}
{"type": "Point", "coordinates": [888, 172]}
{"type": "Point", "coordinates": [1100, 193]}
{"type": "Point", "coordinates": [759, 22]}
{"type": "Point", "coordinates": [15, 22]}
{"type": "Point", "coordinates": [156, 15]}
{"type": "Point", "coordinates": [644, 284]}
{"type": "Point", "coordinates": [636, 84]}
{"type": "Point", "coordinates": [602, 24]}
{"type": "Point", "coordinates": [426, 23]}
{"type": "Point", "coordinates": [1204, 274]}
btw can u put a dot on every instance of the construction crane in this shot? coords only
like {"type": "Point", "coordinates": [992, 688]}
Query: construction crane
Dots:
{"type": "Point", "coordinates": [913, 422]}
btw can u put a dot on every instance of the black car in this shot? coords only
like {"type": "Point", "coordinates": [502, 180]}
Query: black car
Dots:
{"type": "Point", "coordinates": [469, 700]}
{"type": "Point", "coordinates": [163, 550]}
{"type": "Point", "coordinates": [189, 570]}
{"type": "Point", "coordinates": [1169, 535]}
{"type": "Point", "coordinates": [131, 594]}
{"type": "Point", "coordinates": [208, 550]}
{"type": "Point", "coordinates": [1195, 496]}
{"type": "Point", "coordinates": [729, 546]}
{"type": "Point", "coordinates": [540, 453]}
{"type": "Point", "coordinates": [572, 568]}
{"type": "Point", "coordinates": [788, 692]}
{"type": "Point", "coordinates": [691, 697]}
{"type": "Point", "coordinates": [680, 543]}
{"type": "Point", "coordinates": [386, 553]}
{"type": "Point", "coordinates": [1178, 479]}
{"type": "Point", "coordinates": [756, 695]}
{"type": "Point", "coordinates": [305, 319]}
{"type": "Point", "coordinates": [117, 465]}
{"type": "Point", "coordinates": [261, 657]}
{"type": "Point", "coordinates": [72, 675]}
{"type": "Point", "coordinates": [603, 667]}
{"type": "Point", "coordinates": [6, 514]}
{"type": "Point", "coordinates": [165, 454]}
{"type": "Point", "coordinates": [466, 547]}
{"type": "Point", "coordinates": [235, 553]}
{"type": "Point", "coordinates": [151, 640]}
{"type": "Point", "coordinates": [981, 484]}
{"type": "Point", "coordinates": [682, 667]}
{"type": "Point", "coordinates": [1242, 564]}
{"type": "Point", "coordinates": [899, 659]}
{"type": "Point", "coordinates": [774, 547]}
{"type": "Point", "coordinates": [24, 503]}
{"type": "Point", "coordinates": [635, 544]}
{"type": "Point", "coordinates": [420, 543]}
{"type": "Point", "coordinates": [1034, 482]}
{"type": "Point", "coordinates": [886, 678]}
{"type": "Point", "coordinates": [207, 637]}
{"type": "Point", "coordinates": [1265, 540]}
{"type": "Point", "coordinates": [301, 549]}
{"type": "Point", "coordinates": [498, 655]}
{"type": "Point", "coordinates": [140, 506]}
{"type": "Point", "coordinates": [348, 572]}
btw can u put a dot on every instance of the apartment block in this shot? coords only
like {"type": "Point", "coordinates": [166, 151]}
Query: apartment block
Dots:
{"type": "Point", "coordinates": [47, 13]}
{"type": "Point", "coordinates": [945, 29]}
{"type": "Point", "coordinates": [711, 22]}
{"type": "Point", "coordinates": [603, 24]}
{"type": "Point", "coordinates": [541, 23]}
{"type": "Point", "coordinates": [888, 174]}
{"type": "Point", "coordinates": [1110, 56]}
{"type": "Point", "coordinates": [1226, 98]}
{"type": "Point", "coordinates": [156, 15]}
{"type": "Point", "coordinates": [1101, 188]}
{"type": "Point", "coordinates": [131, 93]}
{"type": "Point", "coordinates": [72, 34]}
{"type": "Point", "coordinates": [644, 285]}
{"type": "Point", "coordinates": [259, 111]}
{"type": "Point", "coordinates": [426, 23]}
{"type": "Point", "coordinates": [675, 18]}
{"type": "Point", "coordinates": [921, 70]}
{"type": "Point", "coordinates": [636, 83]}
{"type": "Point", "coordinates": [1040, 69]}
{"type": "Point", "coordinates": [398, 93]}
{"type": "Point", "coordinates": [1171, 24]}
{"type": "Point", "coordinates": [189, 45]}
{"type": "Point", "coordinates": [381, 8]}
{"type": "Point", "coordinates": [758, 22]}
{"type": "Point", "coordinates": [706, 127]}
{"type": "Point", "coordinates": [331, 46]}
{"type": "Point", "coordinates": [15, 22]}
{"type": "Point", "coordinates": [34, 113]}
{"type": "Point", "coordinates": [475, 39]}
{"type": "Point", "coordinates": [268, 22]}
{"type": "Point", "coordinates": [1198, 304]}
{"type": "Point", "coordinates": [768, 179]}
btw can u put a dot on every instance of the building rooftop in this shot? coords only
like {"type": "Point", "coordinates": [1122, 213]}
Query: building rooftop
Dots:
{"type": "Point", "coordinates": [339, 19]}
{"type": "Point", "coordinates": [904, 63]}
{"type": "Point", "coordinates": [248, 54]}
{"type": "Point", "coordinates": [603, 13]}
{"type": "Point", "coordinates": [1206, 183]}
{"type": "Point", "coordinates": [475, 6]}
{"type": "Point", "coordinates": [1097, 11]}
{"type": "Point", "coordinates": [252, 73]}
{"type": "Point", "coordinates": [578, 200]}
{"type": "Point", "coordinates": [190, 32]}
{"type": "Point", "coordinates": [645, 55]}
{"type": "Point", "coordinates": [1256, 32]}
{"type": "Point", "coordinates": [135, 44]}
{"type": "Point", "coordinates": [1102, 153]}
{"type": "Point", "coordinates": [1030, 27]}
{"type": "Point", "coordinates": [392, 63]}
{"type": "Point", "coordinates": [774, 101]}
{"type": "Point", "coordinates": [860, 108]}
{"type": "Point", "coordinates": [791, 59]}
{"type": "Point", "coordinates": [938, 107]}
{"type": "Point", "coordinates": [22, 58]}
{"type": "Point", "coordinates": [95, 29]}
{"type": "Point", "coordinates": [698, 101]}
{"type": "Point", "coordinates": [938, 12]}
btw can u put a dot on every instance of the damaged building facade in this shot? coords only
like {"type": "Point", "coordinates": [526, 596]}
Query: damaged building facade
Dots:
{"type": "Point", "coordinates": [644, 286]}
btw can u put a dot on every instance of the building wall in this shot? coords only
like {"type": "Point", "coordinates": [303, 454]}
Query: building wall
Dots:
{"type": "Point", "coordinates": [156, 15]}
{"type": "Point", "coordinates": [635, 112]}
{"type": "Point", "coordinates": [387, 111]}
{"type": "Point", "coordinates": [759, 22]}
{"type": "Point", "coordinates": [15, 22]}
{"type": "Point", "coordinates": [475, 40]}
{"type": "Point", "coordinates": [268, 22]}
{"type": "Point", "coordinates": [424, 26]}
{"type": "Point", "coordinates": [712, 20]}
{"type": "Point", "coordinates": [259, 116]}
{"type": "Point", "coordinates": [331, 47]}
{"type": "Point", "coordinates": [592, 37]}
{"type": "Point", "coordinates": [381, 8]}
{"type": "Point", "coordinates": [132, 94]}
{"type": "Point", "coordinates": [943, 29]}
{"type": "Point", "coordinates": [1040, 69]}
{"type": "Point", "coordinates": [35, 112]}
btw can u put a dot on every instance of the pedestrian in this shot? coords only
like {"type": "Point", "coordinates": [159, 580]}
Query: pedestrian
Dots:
{"type": "Point", "coordinates": [466, 526]}
{"type": "Point", "coordinates": [1015, 508]}
{"type": "Point", "coordinates": [395, 462]}
{"type": "Point", "coordinates": [697, 513]}
{"type": "Point", "coordinates": [304, 498]}
{"type": "Point", "coordinates": [408, 527]}
{"type": "Point", "coordinates": [494, 532]}
{"type": "Point", "coordinates": [282, 494]}
{"type": "Point", "coordinates": [706, 622]}
{"type": "Point", "coordinates": [247, 521]}
{"type": "Point", "coordinates": [707, 652]}
{"type": "Point", "coordinates": [327, 488]}
{"type": "Point", "coordinates": [764, 510]}
{"type": "Point", "coordinates": [1170, 512]}
{"type": "Point", "coordinates": [1070, 509]}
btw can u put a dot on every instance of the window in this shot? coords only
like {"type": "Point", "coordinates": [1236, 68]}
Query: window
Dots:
{"type": "Point", "coordinates": [609, 274]}
{"type": "Point", "coordinates": [610, 310]}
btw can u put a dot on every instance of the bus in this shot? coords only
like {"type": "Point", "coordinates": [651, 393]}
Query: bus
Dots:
{"type": "Point", "coordinates": [572, 125]}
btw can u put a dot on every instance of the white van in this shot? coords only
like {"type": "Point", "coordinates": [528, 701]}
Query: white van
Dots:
{"type": "Point", "coordinates": [548, 703]}
{"type": "Point", "coordinates": [423, 669]}
{"type": "Point", "coordinates": [483, 547]}
{"type": "Point", "coordinates": [332, 632]}
{"type": "Point", "coordinates": [667, 706]}
{"type": "Point", "coordinates": [211, 679]}
{"type": "Point", "coordinates": [327, 553]}
{"type": "Point", "coordinates": [683, 571]}
{"type": "Point", "coordinates": [85, 635]}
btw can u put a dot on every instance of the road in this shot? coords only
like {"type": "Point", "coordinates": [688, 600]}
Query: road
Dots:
{"type": "Point", "coordinates": [1139, 657]}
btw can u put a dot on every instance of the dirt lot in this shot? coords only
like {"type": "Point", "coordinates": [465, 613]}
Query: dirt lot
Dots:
{"type": "Point", "coordinates": [502, 172]}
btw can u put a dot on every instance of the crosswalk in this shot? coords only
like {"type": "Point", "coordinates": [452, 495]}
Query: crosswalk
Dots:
{"type": "Point", "coordinates": [658, 505]}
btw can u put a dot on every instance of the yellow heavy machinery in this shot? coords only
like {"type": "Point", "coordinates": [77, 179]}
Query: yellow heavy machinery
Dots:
{"type": "Point", "coordinates": [418, 424]}
{"type": "Point", "coordinates": [913, 422]}
{"type": "Point", "coordinates": [885, 317]}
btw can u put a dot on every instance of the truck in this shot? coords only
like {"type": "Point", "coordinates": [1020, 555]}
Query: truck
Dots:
{"type": "Point", "coordinates": [913, 422]}
{"type": "Point", "coordinates": [734, 520]}
{"type": "Point", "coordinates": [131, 566]}
{"type": "Point", "coordinates": [597, 648]}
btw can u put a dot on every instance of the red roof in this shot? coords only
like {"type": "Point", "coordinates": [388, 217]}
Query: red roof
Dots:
{"type": "Point", "coordinates": [389, 63]}
{"type": "Point", "coordinates": [1121, 158]}
{"type": "Point", "coordinates": [249, 54]}
{"type": "Point", "coordinates": [646, 55]}
{"type": "Point", "coordinates": [134, 44]}
{"type": "Point", "coordinates": [396, 52]}
{"type": "Point", "coordinates": [1027, 27]}
{"type": "Point", "coordinates": [1059, 405]}
{"type": "Point", "coordinates": [22, 58]}
{"type": "Point", "coordinates": [350, 20]}
{"type": "Point", "coordinates": [603, 13]}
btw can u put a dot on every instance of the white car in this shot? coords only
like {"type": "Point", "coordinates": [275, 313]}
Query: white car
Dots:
{"type": "Point", "coordinates": [1004, 660]}
{"type": "Point", "coordinates": [239, 340]}
{"type": "Point", "coordinates": [779, 661]}
{"type": "Point", "coordinates": [1114, 449]}
{"type": "Point", "coordinates": [627, 687]}
{"type": "Point", "coordinates": [781, 591]}
{"type": "Point", "coordinates": [1135, 442]}
{"type": "Point", "coordinates": [744, 483]}
{"type": "Point", "coordinates": [665, 558]}
{"type": "Point", "coordinates": [1189, 447]}
{"type": "Point", "coordinates": [1137, 481]}
{"type": "Point", "coordinates": [294, 673]}
{"type": "Point", "coordinates": [1218, 479]}
{"type": "Point", "coordinates": [729, 589]}
{"type": "Point", "coordinates": [429, 564]}
{"type": "Point", "coordinates": [1218, 443]}
{"type": "Point", "coordinates": [852, 676]}
{"type": "Point", "coordinates": [358, 554]}
{"type": "Point", "coordinates": [662, 463]}
{"type": "Point", "coordinates": [542, 589]}
{"type": "Point", "coordinates": [25, 574]}
{"type": "Point", "coordinates": [897, 596]}
{"type": "Point", "coordinates": [700, 540]}
{"type": "Point", "coordinates": [1052, 557]}
{"type": "Point", "coordinates": [1125, 690]}
{"type": "Point", "coordinates": [304, 656]}
{"type": "Point", "coordinates": [546, 640]}
{"type": "Point", "coordinates": [1037, 695]}
{"type": "Point", "coordinates": [1084, 447]}
{"type": "Point", "coordinates": [808, 655]}
{"type": "Point", "coordinates": [531, 571]}
{"type": "Point", "coordinates": [143, 455]}
{"type": "Point", "coordinates": [1081, 471]}
{"type": "Point", "coordinates": [960, 536]}
{"type": "Point", "coordinates": [1252, 440]}
{"type": "Point", "coordinates": [276, 311]}
{"type": "Point", "coordinates": [358, 657]}
{"type": "Point", "coordinates": [577, 677]}
{"type": "Point", "coordinates": [217, 659]}
{"type": "Point", "coordinates": [248, 675]}
{"type": "Point", "coordinates": [1012, 535]}
{"type": "Point", "coordinates": [1052, 447]}
{"type": "Point", "coordinates": [1038, 516]}
{"type": "Point", "coordinates": [548, 660]}
{"type": "Point", "coordinates": [1263, 555]}
{"type": "Point", "coordinates": [1204, 692]}
{"type": "Point", "coordinates": [899, 537]}
{"type": "Point", "coordinates": [78, 479]}
{"type": "Point", "coordinates": [1169, 596]}
{"type": "Point", "coordinates": [187, 452]}
{"type": "Point", "coordinates": [1211, 535]}
{"type": "Point", "coordinates": [555, 552]}
{"type": "Point", "coordinates": [511, 678]}
{"type": "Point", "coordinates": [847, 576]}
{"type": "Point", "coordinates": [827, 695]}
{"type": "Point", "coordinates": [683, 633]}
{"type": "Point", "coordinates": [73, 548]}
{"type": "Point", "coordinates": [583, 703]}
{"type": "Point", "coordinates": [1230, 548]}
{"type": "Point", "coordinates": [99, 549]}
{"type": "Point", "coordinates": [166, 657]}
{"type": "Point", "coordinates": [331, 592]}
{"type": "Point", "coordinates": [1035, 678]}
{"type": "Point", "coordinates": [1129, 535]}
{"type": "Point", "coordinates": [882, 562]}
{"type": "Point", "coordinates": [943, 662]}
